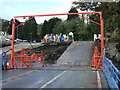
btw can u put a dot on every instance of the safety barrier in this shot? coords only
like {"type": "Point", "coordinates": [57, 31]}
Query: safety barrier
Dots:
{"type": "Point", "coordinates": [97, 59]}
{"type": "Point", "coordinates": [23, 60]}
{"type": "Point", "coordinates": [111, 73]}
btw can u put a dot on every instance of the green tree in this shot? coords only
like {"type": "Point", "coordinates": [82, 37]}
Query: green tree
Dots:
{"type": "Point", "coordinates": [93, 28]}
{"type": "Point", "coordinates": [111, 17]}
{"type": "Point", "coordinates": [5, 25]}
{"type": "Point", "coordinates": [10, 26]}
{"type": "Point", "coordinates": [59, 28]}
{"type": "Point", "coordinates": [86, 6]}
{"type": "Point", "coordinates": [28, 29]}
{"type": "Point", "coordinates": [39, 29]}
{"type": "Point", "coordinates": [73, 10]}
{"type": "Point", "coordinates": [77, 26]}
{"type": "Point", "coordinates": [52, 23]}
{"type": "Point", "coordinates": [44, 29]}
{"type": "Point", "coordinates": [48, 26]}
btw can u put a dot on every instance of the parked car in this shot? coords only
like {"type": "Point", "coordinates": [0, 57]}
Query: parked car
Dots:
{"type": "Point", "coordinates": [34, 41]}
{"type": "Point", "coordinates": [5, 42]}
{"type": "Point", "coordinates": [24, 40]}
{"type": "Point", "coordinates": [18, 40]}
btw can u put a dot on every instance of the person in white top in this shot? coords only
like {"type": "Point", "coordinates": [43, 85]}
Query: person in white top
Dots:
{"type": "Point", "coordinates": [65, 37]}
{"type": "Point", "coordinates": [71, 36]}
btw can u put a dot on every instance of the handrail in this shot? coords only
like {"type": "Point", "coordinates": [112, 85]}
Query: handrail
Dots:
{"type": "Point", "coordinates": [111, 73]}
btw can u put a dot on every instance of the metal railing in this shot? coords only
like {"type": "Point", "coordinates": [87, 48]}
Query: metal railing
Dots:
{"type": "Point", "coordinates": [22, 60]}
{"type": "Point", "coordinates": [111, 73]}
{"type": "Point", "coordinates": [96, 59]}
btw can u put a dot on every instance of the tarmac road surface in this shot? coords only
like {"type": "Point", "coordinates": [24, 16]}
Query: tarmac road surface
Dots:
{"type": "Point", "coordinates": [71, 71]}
{"type": "Point", "coordinates": [79, 53]}
{"type": "Point", "coordinates": [19, 46]}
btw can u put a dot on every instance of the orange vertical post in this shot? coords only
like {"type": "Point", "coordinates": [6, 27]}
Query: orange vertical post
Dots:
{"type": "Point", "coordinates": [102, 34]}
{"type": "Point", "coordinates": [12, 44]}
{"type": "Point", "coordinates": [102, 41]}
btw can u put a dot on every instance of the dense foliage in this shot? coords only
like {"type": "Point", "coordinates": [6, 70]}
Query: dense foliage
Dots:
{"type": "Point", "coordinates": [81, 29]}
{"type": "Point", "coordinates": [25, 31]}
{"type": "Point", "coordinates": [48, 26]}
{"type": "Point", "coordinates": [111, 17]}
{"type": "Point", "coordinates": [111, 14]}
{"type": "Point", "coordinates": [72, 24]}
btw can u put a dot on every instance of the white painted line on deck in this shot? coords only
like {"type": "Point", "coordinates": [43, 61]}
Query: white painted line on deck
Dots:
{"type": "Point", "coordinates": [17, 75]}
{"type": "Point", "coordinates": [45, 85]}
{"type": "Point", "coordinates": [99, 80]}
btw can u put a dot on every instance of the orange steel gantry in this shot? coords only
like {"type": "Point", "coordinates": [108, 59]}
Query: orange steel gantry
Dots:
{"type": "Point", "coordinates": [97, 59]}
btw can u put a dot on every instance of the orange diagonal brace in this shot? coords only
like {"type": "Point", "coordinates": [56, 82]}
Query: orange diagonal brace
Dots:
{"type": "Point", "coordinates": [89, 19]}
{"type": "Point", "coordinates": [23, 22]}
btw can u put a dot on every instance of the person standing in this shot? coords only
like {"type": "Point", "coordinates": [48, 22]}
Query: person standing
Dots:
{"type": "Point", "coordinates": [4, 60]}
{"type": "Point", "coordinates": [71, 36]}
{"type": "Point", "coordinates": [56, 38]}
{"type": "Point", "coordinates": [65, 37]}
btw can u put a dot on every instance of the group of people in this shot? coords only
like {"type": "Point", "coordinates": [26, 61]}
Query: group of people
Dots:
{"type": "Point", "coordinates": [58, 37]}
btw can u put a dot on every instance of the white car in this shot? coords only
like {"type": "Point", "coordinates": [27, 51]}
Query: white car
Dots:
{"type": "Point", "coordinates": [24, 40]}
{"type": "Point", "coordinates": [5, 42]}
{"type": "Point", "coordinates": [19, 40]}
{"type": "Point", "coordinates": [34, 41]}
